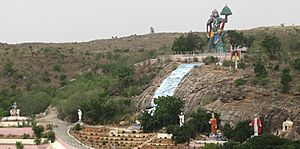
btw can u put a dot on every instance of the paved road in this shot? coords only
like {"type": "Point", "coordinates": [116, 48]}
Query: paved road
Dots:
{"type": "Point", "coordinates": [61, 129]}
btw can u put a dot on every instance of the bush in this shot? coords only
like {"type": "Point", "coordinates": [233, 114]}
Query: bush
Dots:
{"type": "Point", "coordinates": [240, 133]}
{"type": "Point", "coordinates": [167, 111]}
{"type": "Point", "coordinates": [228, 63]}
{"type": "Point", "coordinates": [26, 136]}
{"type": "Point", "coordinates": [231, 145]}
{"type": "Point", "coordinates": [37, 141]}
{"type": "Point", "coordinates": [272, 46]}
{"type": "Point", "coordinates": [19, 145]}
{"type": "Point", "coordinates": [190, 42]}
{"type": "Point", "coordinates": [276, 67]}
{"type": "Point", "coordinates": [242, 65]}
{"type": "Point", "coordinates": [297, 64]}
{"type": "Point", "coordinates": [268, 141]}
{"type": "Point", "coordinates": [259, 69]}
{"type": "Point", "coordinates": [212, 146]}
{"type": "Point", "coordinates": [77, 127]}
{"type": "Point", "coordinates": [57, 68]}
{"type": "Point", "coordinates": [239, 82]}
{"type": "Point", "coordinates": [49, 127]}
{"type": "Point", "coordinates": [50, 135]}
{"type": "Point", "coordinates": [38, 130]}
{"type": "Point", "coordinates": [285, 79]}
{"type": "Point", "coordinates": [210, 59]}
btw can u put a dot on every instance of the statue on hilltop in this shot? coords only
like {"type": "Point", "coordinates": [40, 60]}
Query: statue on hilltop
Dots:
{"type": "Point", "coordinates": [215, 29]}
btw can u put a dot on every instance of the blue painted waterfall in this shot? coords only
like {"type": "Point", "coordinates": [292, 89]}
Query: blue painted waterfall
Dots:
{"type": "Point", "coordinates": [169, 85]}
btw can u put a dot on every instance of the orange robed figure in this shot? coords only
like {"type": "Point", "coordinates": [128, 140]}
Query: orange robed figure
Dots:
{"type": "Point", "coordinates": [213, 123]}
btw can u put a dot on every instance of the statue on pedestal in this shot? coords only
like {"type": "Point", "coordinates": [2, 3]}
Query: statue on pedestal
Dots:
{"type": "Point", "coordinates": [215, 29]}
{"type": "Point", "coordinates": [256, 125]}
{"type": "Point", "coordinates": [213, 123]}
{"type": "Point", "coordinates": [79, 115]}
{"type": "Point", "coordinates": [181, 119]}
{"type": "Point", "coordinates": [14, 110]}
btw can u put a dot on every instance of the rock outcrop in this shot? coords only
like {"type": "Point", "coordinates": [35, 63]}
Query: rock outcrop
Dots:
{"type": "Point", "coordinates": [213, 88]}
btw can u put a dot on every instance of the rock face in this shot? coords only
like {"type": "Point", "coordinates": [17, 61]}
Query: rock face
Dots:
{"type": "Point", "coordinates": [213, 88]}
{"type": "Point", "coordinates": [144, 100]}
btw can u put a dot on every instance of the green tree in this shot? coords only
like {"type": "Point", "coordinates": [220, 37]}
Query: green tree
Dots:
{"type": "Point", "coordinates": [50, 135]}
{"type": "Point", "coordinates": [272, 46]}
{"type": "Point", "coordinates": [199, 120]}
{"type": "Point", "coordinates": [285, 79]}
{"type": "Point", "coordinates": [268, 141]}
{"type": "Point", "coordinates": [259, 69]}
{"type": "Point", "coordinates": [167, 111]}
{"type": "Point", "coordinates": [38, 130]}
{"type": "Point", "coordinates": [191, 42]}
{"type": "Point", "coordinates": [236, 38]}
{"type": "Point", "coordinates": [240, 133]}
{"type": "Point", "coordinates": [77, 127]}
{"type": "Point", "coordinates": [231, 145]}
{"type": "Point", "coordinates": [34, 102]}
{"type": "Point", "coordinates": [182, 134]}
{"type": "Point", "coordinates": [38, 133]}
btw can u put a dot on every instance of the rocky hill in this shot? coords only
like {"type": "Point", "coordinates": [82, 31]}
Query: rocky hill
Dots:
{"type": "Point", "coordinates": [24, 67]}
{"type": "Point", "coordinates": [213, 88]}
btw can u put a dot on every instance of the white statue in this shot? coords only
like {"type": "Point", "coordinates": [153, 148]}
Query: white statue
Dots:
{"type": "Point", "coordinates": [79, 115]}
{"type": "Point", "coordinates": [181, 119]}
{"type": "Point", "coordinates": [256, 125]}
{"type": "Point", "coordinates": [14, 111]}
{"type": "Point", "coordinates": [287, 125]}
{"type": "Point", "coordinates": [18, 112]}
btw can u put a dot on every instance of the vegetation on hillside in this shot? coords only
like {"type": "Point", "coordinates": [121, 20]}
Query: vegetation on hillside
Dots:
{"type": "Point", "coordinates": [74, 75]}
{"type": "Point", "coordinates": [192, 42]}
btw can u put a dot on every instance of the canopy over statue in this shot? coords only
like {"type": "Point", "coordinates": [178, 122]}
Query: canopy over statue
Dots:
{"type": "Point", "coordinates": [215, 29]}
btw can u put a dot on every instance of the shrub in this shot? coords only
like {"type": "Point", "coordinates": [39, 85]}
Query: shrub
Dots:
{"type": "Point", "coordinates": [242, 65]}
{"type": "Point", "coordinates": [261, 81]}
{"type": "Point", "coordinates": [63, 80]}
{"type": "Point", "coordinates": [259, 69]}
{"type": "Point", "coordinates": [50, 135]}
{"type": "Point", "coordinates": [239, 82]}
{"type": "Point", "coordinates": [26, 136]}
{"type": "Point", "coordinates": [297, 64]}
{"type": "Point", "coordinates": [212, 146]}
{"type": "Point", "coordinates": [19, 145]}
{"type": "Point", "coordinates": [77, 127]}
{"type": "Point", "coordinates": [285, 79]}
{"type": "Point", "coordinates": [272, 46]}
{"type": "Point", "coordinates": [210, 59]}
{"type": "Point", "coordinates": [38, 130]}
{"type": "Point", "coordinates": [276, 67]}
{"type": "Point", "coordinates": [228, 63]}
{"type": "Point", "coordinates": [231, 145]}
{"type": "Point", "coordinates": [49, 127]}
{"type": "Point", "coordinates": [37, 141]}
{"type": "Point", "coordinates": [57, 68]}
{"type": "Point", "coordinates": [240, 133]}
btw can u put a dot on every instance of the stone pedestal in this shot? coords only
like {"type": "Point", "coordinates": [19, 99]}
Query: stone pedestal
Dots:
{"type": "Point", "coordinates": [217, 137]}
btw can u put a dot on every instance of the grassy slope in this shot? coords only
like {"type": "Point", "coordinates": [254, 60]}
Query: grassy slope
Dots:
{"type": "Point", "coordinates": [33, 62]}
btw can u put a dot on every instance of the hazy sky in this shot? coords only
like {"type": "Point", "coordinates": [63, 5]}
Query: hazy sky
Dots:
{"type": "Point", "coordinates": [84, 20]}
